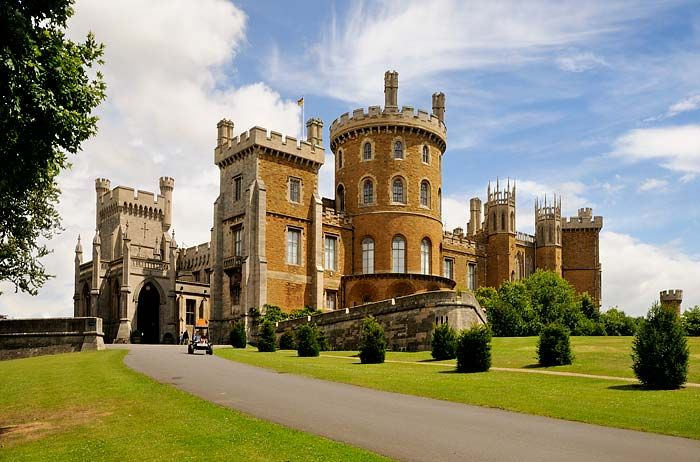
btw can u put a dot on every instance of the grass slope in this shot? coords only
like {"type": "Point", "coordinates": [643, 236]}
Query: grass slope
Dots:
{"type": "Point", "coordinates": [89, 406]}
{"type": "Point", "coordinates": [598, 401]}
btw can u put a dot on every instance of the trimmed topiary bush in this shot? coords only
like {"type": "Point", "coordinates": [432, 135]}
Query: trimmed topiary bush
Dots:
{"type": "Point", "coordinates": [444, 343]}
{"type": "Point", "coordinates": [307, 340]}
{"type": "Point", "coordinates": [267, 338]}
{"type": "Point", "coordinates": [474, 350]}
{"type": "Point", "coordinates": [323, 341]}
{"type": "Point", "coordinates": [660, 350]}
{"type": "Point", "coordinates": [237, 336]}
{"type": "Point", "coordinates": [553, 347]}
{"type": "Point", "coordinates": [287, 340]}
{"type": "Point", "coordinates": [372, 342]}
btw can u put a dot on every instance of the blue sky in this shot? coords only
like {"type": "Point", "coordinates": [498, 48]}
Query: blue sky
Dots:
{"type": "Point", "coordinates": [597, 101]}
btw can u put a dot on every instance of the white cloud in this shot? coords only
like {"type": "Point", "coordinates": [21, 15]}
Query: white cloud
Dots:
{"type": "Point", "coordinates": [652, 184]}
{"type": "Point", "coordinates": [580, 62]}
{"type": "Point", "coordinates": [678, 147]}
{"type": "Point", "coordinates": [691, 103]}
{"type": "Point", "coordinates": [634, 272]}
{"type": "Point", "coordinates": [167, 67]}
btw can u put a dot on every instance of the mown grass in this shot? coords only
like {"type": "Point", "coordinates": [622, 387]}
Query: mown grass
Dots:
{"type": "Point", "coordinates": [597, 401]}
{"type": "Point", "coordinates": [89, 406]}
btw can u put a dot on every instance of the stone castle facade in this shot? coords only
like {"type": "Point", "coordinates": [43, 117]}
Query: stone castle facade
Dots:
{"type": "Point", "coordinates": [276, 241]}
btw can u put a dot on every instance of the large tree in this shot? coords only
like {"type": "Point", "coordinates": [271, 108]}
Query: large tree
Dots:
{"type": "Point", "coordinates": [47, 93]}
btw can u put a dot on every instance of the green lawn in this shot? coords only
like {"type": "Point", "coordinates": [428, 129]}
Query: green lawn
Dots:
{"type": "Point", "coordinates": [89, 406]}
{"type": "Point", "coordinates": [599, 401]}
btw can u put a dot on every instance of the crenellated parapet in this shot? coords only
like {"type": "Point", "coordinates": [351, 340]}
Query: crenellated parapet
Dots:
{"type": "Point", "coordinates": [333, 218]}
{"type": "Point", "coordinates": [374, 119]}
{"type": "Point", "coordinates": [584, 220]}
{"type": "Point", "coordinates": [460, 240]}
{"type": "Point", "coordinates": [195, 257]}
{"type": "Point", "coordinates": [230, 149]}
{"type": "Point", "coordinates": [127, 201]}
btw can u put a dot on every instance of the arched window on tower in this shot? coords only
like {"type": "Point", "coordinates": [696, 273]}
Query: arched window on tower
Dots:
{"type": "Point", "coordinates": [493, 221]}
{"type": "Point", "coordinates": [551, 234]}
{"type": "Point", "coordinates": [367, 151]}
{"type": "Point", "coordinates": [425, 256]}
{"type": "Point", "coordinates": [425, 193]}
{"type": "Point", "coordinates": [558, 235]}
{"type": "Point", "coordinates": [339, 161]}
{"type": "Point", "coordinates": [503, 221]}
{"type": "Point", "coordinates": [398, 192]}
{"type": "Point", "coordinates": [398, 149]}
{"type": "Point", "coordinates": [426, 154]}
{"type": "Point", "coordinates": [367, 255]}
{"type": "Point", "coordinates": [398, 255]}
{"type": "Point", "coordinates": [340, 198]}
{"type": "Point", "coordinates": [367, 192]}
{"type": "Point", "coordinates": [512, 222]}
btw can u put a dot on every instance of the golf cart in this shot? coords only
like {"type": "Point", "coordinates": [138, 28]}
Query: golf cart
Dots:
{"type": "Point", "coordinates": [200, 339]}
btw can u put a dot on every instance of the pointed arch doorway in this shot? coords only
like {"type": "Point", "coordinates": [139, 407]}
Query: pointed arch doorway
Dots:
{"type": "Point", "coordinates": [148, 314]}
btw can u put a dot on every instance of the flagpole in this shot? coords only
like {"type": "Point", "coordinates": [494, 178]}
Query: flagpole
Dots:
{"type": "Point", "coordinates": [303, 135]}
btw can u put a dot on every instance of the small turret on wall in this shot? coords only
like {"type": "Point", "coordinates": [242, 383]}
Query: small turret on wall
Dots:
{"type": "Point", "coordinates": [548, 254]}
{"type": "Point", "coordinates": [167, 185]}
{"type": "Point", "coordinates": [671, 300]}
{"type": "Point", "coordinates": [391, 90]}
{"type": "Point", "coordinates": [500, 231]}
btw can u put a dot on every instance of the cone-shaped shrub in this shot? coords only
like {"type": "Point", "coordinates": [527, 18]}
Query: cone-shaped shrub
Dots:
{"type": "Point", "coordinates": [660, 351]}
{"type": "Point", "coordinates": [267, 339]}
{"type": "Point", "coordinates": [323, 343]}
{"type": "Point", "coordinates": [554, 348]}
{"type": "Point", "coordinates": [237, 336]}
{"type": "Point", "coordinates": [372, 342]}
{"type": "Point", "coordinates": [444, 342]}
{"type": "Point", "coordinates": [287, 340]}
{"type": "Point", "coordinates": [474, 350]}
{"type": "Point", "coordinates": [307, 340]}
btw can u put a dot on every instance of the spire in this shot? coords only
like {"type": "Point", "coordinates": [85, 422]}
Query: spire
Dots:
{"type": "Point", "coordinates": [78, 246]}
{"type": "Point", "coordinates": [96, 239]}
{"type": "Point", "coordinates": [173, 242]}
{"type": "Point", "coordinates": [125, 235]}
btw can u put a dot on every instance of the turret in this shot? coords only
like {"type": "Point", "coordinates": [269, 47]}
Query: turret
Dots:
{"type": "Point", "coordinates": [500, 231]}
{"type": "Point", "coordinates": [78, 252]}
{"type": "Point", "coordinates": [500, 210]}
{"type": "Point", "coordinates": [439, 106]}
{"type": "Point", "coordinates": [102, 186]}
{"type": "Point", "coordinates": [671, 300]}
{"type": "Point", "coordinates": [391, 90]}
{"type": "Point", "coordinates": [314, 131]}
{"type": "Point", "coordinates": [474, 225]}
{"type": "Point", "coordinates": [224, 133]}
{"type": "Point", "coordinates": [548, 235]}
{"type": "Point", "coordinates": [167, 185]}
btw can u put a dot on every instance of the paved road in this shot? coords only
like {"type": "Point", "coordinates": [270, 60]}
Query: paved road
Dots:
{"type": "Point", "coordinates": [399, 426]}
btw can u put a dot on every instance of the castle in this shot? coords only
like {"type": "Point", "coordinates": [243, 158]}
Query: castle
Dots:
{"type": "Point", "coordinates": [276, 241]}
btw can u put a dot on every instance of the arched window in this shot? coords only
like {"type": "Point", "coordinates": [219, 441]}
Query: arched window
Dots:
{"type": "Point", "coordinates": [551, 234]}
{"type": "Point", "coordinates": [398, 255]}
{"type": "Point", "coordinates": [367, 151]}
{"type": "Point", "coordinates": [426, 154]}
{"type": "Point", "coordinates": [398, 149]}
{"type": "Point", "coordinates": [339, 162]}
{"type": "Point", "coordinates": [367, 192]}
{"type": "Point", "coordinates": [425, 252]}
{"type": "Point", "coordinates": [503, 221]}
{"type": "Point", "coordinates": [440, 201]}
{"type": "Point", "coordinates": [493, 221]}
{"type": "Point", "coordinates": [425, 193]}
{"type": "Point", "coordinates": [367, 255]}
{"type": "Point", "coordinates": [558, 236]}
{"type": "Point", "coordinates": [398, 193]}
{"type": "Point", "coordinates": [340, 198]}
{"type": "Point", "coordinates": [512, 222]}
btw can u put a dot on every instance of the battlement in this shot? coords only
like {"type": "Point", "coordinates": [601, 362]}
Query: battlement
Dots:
{"type": "Point", "coordinates": [548, 211]}
{"type": "Point", "coordinates": [166, 182]}
{"type": "Point", "coordinates": [524, 238]}
{"type": "Point", "coordinates": [197, 256]}
{"type": "Point", "coordinates": [500, 196]}
{"type": "Point", "coordinates": [460, 240]}
{"type": "Point", "coordinates": [258, 136]}
{"type": "Point", "coordinates": [673, 295]}
{"type": "Point", "coordinates": [331, 217]}
{"type": "Point", "coordinates": [579, 222]}
{"type": "Point", "coordinates": [145, 201]}
{"type": "Point", "coordinates": [102, 184]}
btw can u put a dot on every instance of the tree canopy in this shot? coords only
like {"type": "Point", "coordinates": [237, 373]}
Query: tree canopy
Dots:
{"type": "Point", "coordinates": [48, 90]}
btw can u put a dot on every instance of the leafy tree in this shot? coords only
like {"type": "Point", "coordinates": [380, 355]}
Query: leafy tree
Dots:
{"type": "Point", "coordinates": [372, 342]}
{"type": "Point", "coordinates": [552, 298]}
{"type": "Point", "coordinates": [474, 350]}
{"type": "Point", "coordinates": [237, 337]}
{"type": "Point", "coordinates": [288, 340]}
{"type": "Point", "coordinates": [267, 338]}
{"type": "Point", "coordinates": [616, 322]}
{"type": "Point", "coordinates": [273, 314]}
{"type": "Point", "coordinates": [554, 347]}
{"type": "Point", "coordinates": [691, 321]}
{"type": "Point", "coordinates": [46, 101]}
{"type": "Point", "coordinates": [444, 343]}
{"type": "Point", "coordinates": [486, 296]}
{"type": "Point", "coordinates": [324, 342]}
{"type": "Point", "coordinates": [306, 311]}
{"type": "Point", "coordinates": [307, 341]}
{"type": "Point", "coordinates": [588, 306]}
{"type": "Point", "coordinates": [660, 350]}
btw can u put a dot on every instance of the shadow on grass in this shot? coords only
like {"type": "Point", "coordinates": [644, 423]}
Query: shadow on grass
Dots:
{"type": "Point", "coordinates": [430, 360]}
{"type": "Point", "coordinates": [630, 387]}
{"type": "Point", "coordinates": [455, 371]}
{"type": "Point", "coordinates": [535, 366]}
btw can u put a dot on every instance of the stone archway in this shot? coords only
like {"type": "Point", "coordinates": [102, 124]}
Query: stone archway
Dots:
{"type": "Point", "coordinates": [148, 313]}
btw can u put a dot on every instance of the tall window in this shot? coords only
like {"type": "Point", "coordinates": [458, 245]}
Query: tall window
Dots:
{"type": "Point", "coordinates": [189, 311]}
{"type": "Point", "coordinates": [331, 299]}
{"type": "Point", "coordinates": [295, 190]}
{"type": "Point", "coordinates": [398, 255]}
{"type": "Point", "coordinates": [398, 149]}
{"type": "Point", "coordinates": [339, 163]}
{"type": "Point", "coordinates": [426, 155]}
{"type": "Point", "coordinates": [293, 246]}
{"type": "Point", "coordinates": [330, 246]}
{"type": "Point", "coordinates": [471, 276]}
{"type": "Point", "coordinates": [425, 193]}
{"type": "Point", "coordinates": [398, 193]}
{"type": "Point", "coordinates": [367, 151]}
{"type": "Point", "coordinates": [237, 187]}
{"type": "Point", "coordinates": [340, 197]}
{"type": "Point", "coordinates": [503, 221]}
{"type": "Point", "coordinates": [448, 268]}
{"type": "Point", "coordinates": [238, 242]}
{"type": "Point", "coordinates": [367, 255]}
{"type": "Point", "coordinates": [425, 251]}
{"type": "Point", "coordinates": [367, 192]}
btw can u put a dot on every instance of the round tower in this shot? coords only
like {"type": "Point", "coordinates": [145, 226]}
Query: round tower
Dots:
{"type": "Point", "coordinates": [102, 187]}
{"type": "Point", "coordinates": [548, 235]}
{"type": "Point", "coordinates": [671, 300]}
{"type": "Point", "coordinates": [500, 232]}
{"type": "Point", "coordinates": [167, 185]}
{"type": "Point", "coordinates": [388, 181]}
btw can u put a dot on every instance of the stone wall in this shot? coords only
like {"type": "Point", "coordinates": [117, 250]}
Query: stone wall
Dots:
{"type": "Point", "coordinates": [22, 338]}
{"type": "Point", "coordinates": [408, 322]}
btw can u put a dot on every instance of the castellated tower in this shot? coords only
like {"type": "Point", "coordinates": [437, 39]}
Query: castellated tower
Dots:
{"type": "Point", "coordinates": [474, 225]}
{"type": "Point", "coordinates": [671, 299]}
{"type": "Point", "coordinates": [500, 232]}
{"type": "Point", "coordinates": [167, 185]}
{"type": "Point", "coordinates": [548, 253]}
{"type": "Point", "coordinates": [581, 252]}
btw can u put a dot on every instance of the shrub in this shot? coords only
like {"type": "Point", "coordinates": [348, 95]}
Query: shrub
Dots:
{"type": "Point", "coordinates": [444, 342]}
{"type": "Point", "coordinates": [553, 347]}
{"type": "Point", "coordinates": [237, 336]}
{"type": "Point", "coordinates": [660, 351]}
{"type": "Point", "coordinates": [307, 340]}
{"type": "Point", "coordinates": [323, 341]}
{"type": "Point", "coordinates": [287, 340]}
{"type": "Point", "coordinates": [474, 350]}
{"type": "Point", "coordinates": [691, 321]}
{"type": "Point", "coordinates": [273, 314]}
{"type": "Point", "coordinates": [267, 339]}
{"type": "Point", "coordinates": [372, 342]}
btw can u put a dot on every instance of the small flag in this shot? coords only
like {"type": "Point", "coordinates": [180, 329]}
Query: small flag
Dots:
{"type": "Point", "coordinates": [300, 101]}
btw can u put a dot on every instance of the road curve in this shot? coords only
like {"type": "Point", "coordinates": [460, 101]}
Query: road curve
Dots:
{"type": "Point", "coordinates": [399, 426]}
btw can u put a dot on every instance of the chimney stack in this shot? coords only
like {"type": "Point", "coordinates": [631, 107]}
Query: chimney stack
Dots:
{"type": "Point", "coordinates": [439, 106]}
{"type": "Point", "coordinates": [391, 89]}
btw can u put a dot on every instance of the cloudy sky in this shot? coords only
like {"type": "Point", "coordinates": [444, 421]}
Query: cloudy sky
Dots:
{"type": "Point", "coordinates": [596, 101]}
